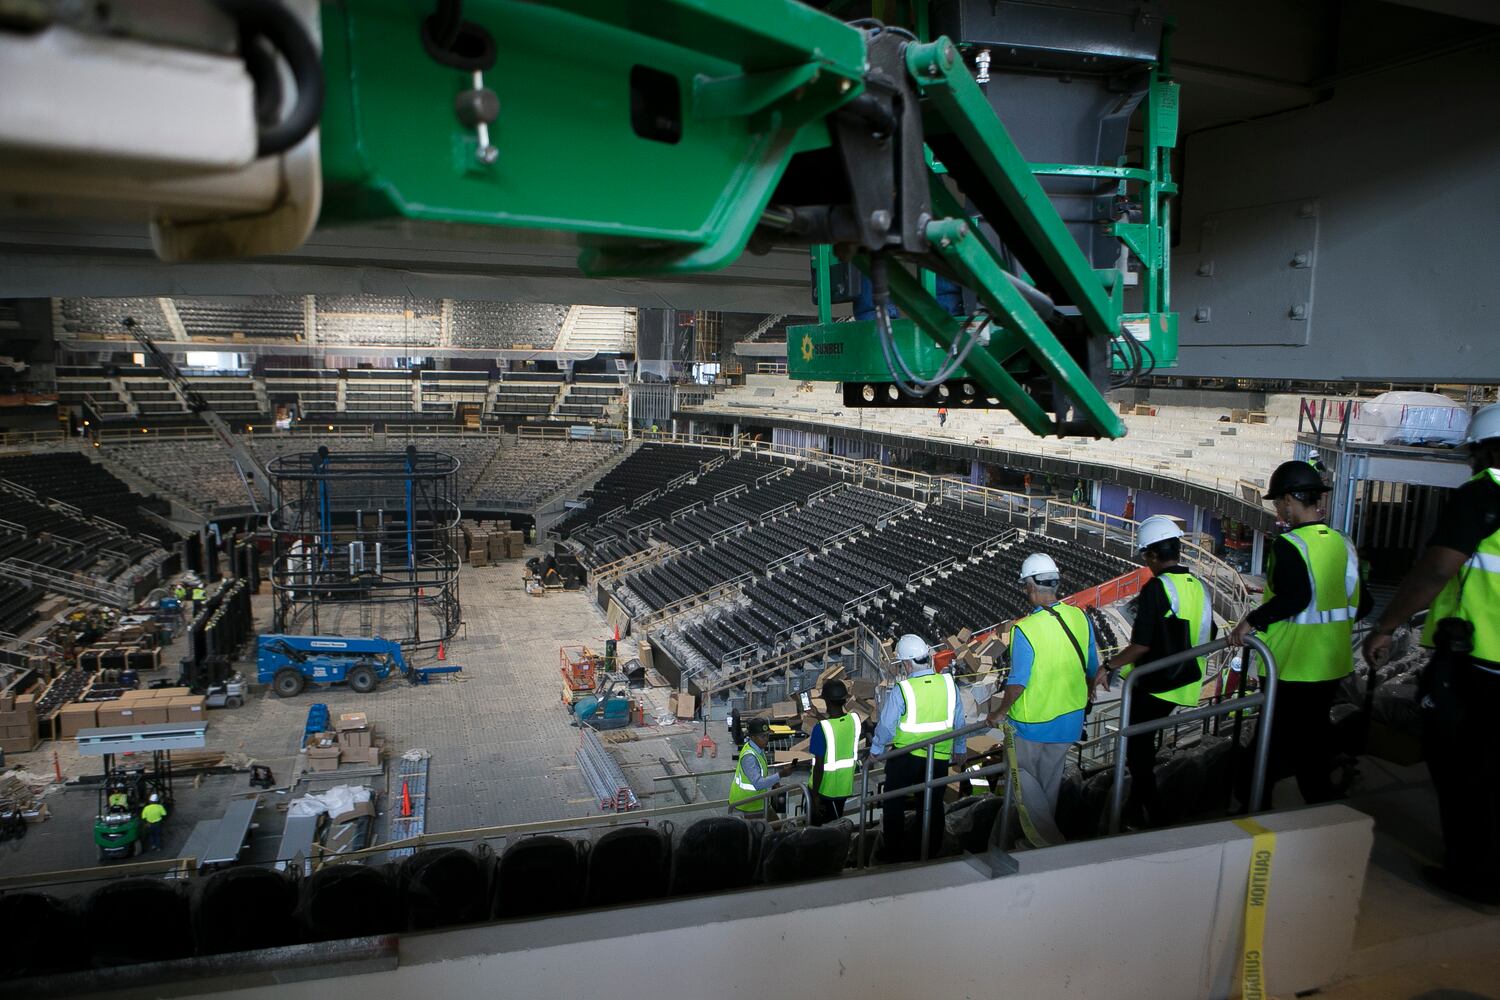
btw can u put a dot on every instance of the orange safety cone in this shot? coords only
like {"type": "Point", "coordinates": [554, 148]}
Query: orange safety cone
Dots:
{"type": "Point", "coordinates": [442, 652]}
{"type": "Point", "coordinates": [405, 800]}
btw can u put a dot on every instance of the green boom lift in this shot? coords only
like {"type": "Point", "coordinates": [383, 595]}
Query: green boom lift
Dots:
{"type": "Point", "coordinates": [668, 136]}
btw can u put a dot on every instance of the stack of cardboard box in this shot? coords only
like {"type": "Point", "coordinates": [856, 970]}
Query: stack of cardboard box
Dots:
{"type": "Point", "coordinates": [18, 724]}
{"type": "Point", "coordinates": [150, 707]}
{"type": "Point", "coordinates": [351, 741]}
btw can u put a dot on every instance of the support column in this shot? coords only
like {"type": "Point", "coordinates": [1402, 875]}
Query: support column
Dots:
{"type": "Point", "coordinates": [1257, 554]}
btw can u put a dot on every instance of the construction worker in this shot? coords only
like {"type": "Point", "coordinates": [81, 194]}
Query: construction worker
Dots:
{"type": "Point", "coordinates": [179, 592]}
{"type": "Point", "coordinates": [920, 706]}
{"type": "Point", "coordinates": [942, 416]}
{"type": "Point", "coordinates": [1053, 659]}
{"type": "Point", "coordinates": [118, 801]}
{"type": "Point", "coordinates": [753, 772]}
{"type": "Point", "coordinates": [152, 818]}
{"type": "Point", "coordinates": [1459, 578]}
{"type": "Point", "coordinates": [199, 596]}
{"type": "Point", "coordinates": [834, 747]}
{"type": "Point", "coordinates": [1313, 597]}
{"type": "Point", "coordinates": [1174, 612]}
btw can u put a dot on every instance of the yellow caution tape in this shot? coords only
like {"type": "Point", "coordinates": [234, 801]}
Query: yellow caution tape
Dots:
{"type": "Point", "coordinates": [1257, 898]}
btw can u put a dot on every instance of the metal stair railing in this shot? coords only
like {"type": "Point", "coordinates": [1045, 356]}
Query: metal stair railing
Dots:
{"type": "Point", "coordinates": [866, 799]}
{"type": "Point", "coordinates": [70, 584]}
{"type": "Point", "coordinates": [1265, 698]}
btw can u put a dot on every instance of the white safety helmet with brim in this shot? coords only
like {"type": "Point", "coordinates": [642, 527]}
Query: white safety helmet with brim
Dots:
{"type": "Point", "coordinates": [913, 649]}
{"type": "Point", "coordinates": [1041, 569]}
{"type": "Point", "coordinates": [1484, 425]}
{"type": "Point", "coordinates": [1156, 528]}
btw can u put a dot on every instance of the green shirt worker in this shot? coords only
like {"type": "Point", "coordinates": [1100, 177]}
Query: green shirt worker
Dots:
{"type": "Point", "coordinates": [1313, 597]}
{"type": "Point", "coordinates": [1458, 577]}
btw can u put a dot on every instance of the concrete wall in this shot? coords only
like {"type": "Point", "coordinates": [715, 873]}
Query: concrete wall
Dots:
{"type": "Point", "coordinates": [1156, 915]}
{"type": "Point", "coordinates": [1398, 171]}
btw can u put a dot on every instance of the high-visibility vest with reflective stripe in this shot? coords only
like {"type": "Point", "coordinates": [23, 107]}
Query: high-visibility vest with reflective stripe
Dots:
{"type": "Point", "coordinates": [741, 788]}
{"type": "Point", "coordinates": [1058, 684]}
{"type": "Point", "coordinates": [1314, 644]}
{"type": "Point", "coordinates": [154, 813]}
{"type": "Point", "coordinates": [1187, 599]}
{"type": "Point", "coordinates": [840, 738]}
{"type": "Point", "coordinates": [1474, 593]}
{"type": "Point", "coordinates": [931, 706]}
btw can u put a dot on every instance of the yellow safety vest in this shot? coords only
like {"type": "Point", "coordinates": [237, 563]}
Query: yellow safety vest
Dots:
{"type": "Point", "coordinates": [1315, 643]}
{"type": "Point", "coordinates": [840, 738]}
{"type": "Point", "coordinates": [1058, 683]}
{"type": "Point", "coordinates": [741, 787]}
{"type": "Point", "coordinates": [1188, 600]}
{"type": "Point", "coordinates": [1474, 593]}
{"type": "Point", "coordinates": [931, 705]}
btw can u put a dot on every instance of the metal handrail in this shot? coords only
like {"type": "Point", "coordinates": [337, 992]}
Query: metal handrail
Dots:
{"type": "Point", "coordinates": [1265, 696]}
{"type": "Point", "coordinates": [770, 793]}
{"type": "Point", "coordinates": [864, 778]}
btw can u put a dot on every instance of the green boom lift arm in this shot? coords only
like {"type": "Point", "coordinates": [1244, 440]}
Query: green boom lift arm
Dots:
{"type": "Point", "coordinates": [668, 136]}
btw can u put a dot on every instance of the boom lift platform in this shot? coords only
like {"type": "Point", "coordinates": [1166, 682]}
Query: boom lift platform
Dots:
{"type": "Point", "coordinates": [666, 137]}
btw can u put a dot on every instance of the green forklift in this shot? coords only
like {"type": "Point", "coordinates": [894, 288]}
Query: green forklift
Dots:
{"type": "Point", "coordinates": [125, 791]}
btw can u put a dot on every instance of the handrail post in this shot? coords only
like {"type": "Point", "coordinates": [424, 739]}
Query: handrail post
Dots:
{"type": "Point", "coordinates": [864, 807]}
{"type": "Point", "coordinates": [927, 804]}
{"type": "Point", "coordinates": [1258, 775]}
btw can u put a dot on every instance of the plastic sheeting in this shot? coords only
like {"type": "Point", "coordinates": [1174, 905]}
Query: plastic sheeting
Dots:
{"type": "Point", "coordinates": [1409, 418]}
{"type": "Point", "coordinates": [335, 802]}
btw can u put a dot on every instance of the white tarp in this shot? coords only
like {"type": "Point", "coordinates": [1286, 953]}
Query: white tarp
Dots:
{"type": "Point", "coordinates": [335, 802]}
{"type": "Point", "coordinates": [1409, 418]}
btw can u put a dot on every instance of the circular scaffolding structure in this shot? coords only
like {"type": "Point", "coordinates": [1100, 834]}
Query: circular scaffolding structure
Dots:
{"type": "Point", "coordinates": [371, 533]}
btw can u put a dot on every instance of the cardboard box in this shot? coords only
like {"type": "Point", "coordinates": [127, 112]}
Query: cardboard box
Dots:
{"type": "Point", "coordinates": [682, 704]}
{"type": "Point", "coordinates": [72, 718]}
{"type": "Point", "coordinates": [187, 709]}
{"type": "Point", "coordinates": [18, 717]}
{"type": "Point", "coordinates": [18, 732]}
{"type": "Point", "coordinates": [501, 526]}
{"type": "Point", "coordinates": [351, 720]}
{"type": "Point", "coordinates": [110, 715]}
{"type": "Point", "coordinates": [360, 756]}
{"type": "Point", "coordinates": [150, 713]}
{"type": "Point", "coordinates": [175, 692]}
{"type": "Point", "coordinates": [19, 745]}
{"type": "Point", "coordinates": [354, 739]}
{"type": "Point", "coordinates": [7, 702]}
{"type": "Point", "coordinates": [25, 702]}
{"type": "Point", "coordinates": [479, 556]}
{"type": "Point", "coordinates": [323, 763]}
{"type": "Point", "coordinates": [130, 697]}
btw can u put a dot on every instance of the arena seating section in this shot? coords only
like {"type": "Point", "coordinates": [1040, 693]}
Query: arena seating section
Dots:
{"type": "Point", "coordinates": [812, 554]}
{"type": "Point", "coordinates": [505, 324]}
{"type": "Point", "coordinates": [77, 518]}
{"type": "Point", "coordinates": [496, 471]}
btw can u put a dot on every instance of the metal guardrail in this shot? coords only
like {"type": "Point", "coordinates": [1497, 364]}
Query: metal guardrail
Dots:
{"type": "Point", "coordinates": [776, 512]}
{"type": "Point", "coordinates": [1265, 697]}
{"type": "Point", "coordinates": [776, 565]}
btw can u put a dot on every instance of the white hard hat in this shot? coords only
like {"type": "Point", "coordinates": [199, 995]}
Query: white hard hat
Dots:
{"type": "Point", "coordinates": [1484, 425]}
{"type": "Point", "coordinates": [913, 648]}
{"type": "Point", "coordinates": [1156, 528]}
{"type": "Point", "coordinates": [153, 796]}
{"type": "Point", "coordinates": [1039, 566]}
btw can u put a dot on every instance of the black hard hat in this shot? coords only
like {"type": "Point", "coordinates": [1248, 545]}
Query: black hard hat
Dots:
{"type": "Point", "coordinates": [835, 690]}
{"type": "Point", "coordinates": [757, 726]}
{"type": "Point", "coordinates": [1295, 477]}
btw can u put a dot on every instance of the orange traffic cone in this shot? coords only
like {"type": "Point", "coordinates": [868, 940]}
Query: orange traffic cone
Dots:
{"type": "Point", "coordinates": [442, 652]}
{"type": "Point", "coordinates": [405, 800]}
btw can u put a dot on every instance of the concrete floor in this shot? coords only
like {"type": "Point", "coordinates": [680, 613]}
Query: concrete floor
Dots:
{"type": "Point", "coordinates": [501, 743]}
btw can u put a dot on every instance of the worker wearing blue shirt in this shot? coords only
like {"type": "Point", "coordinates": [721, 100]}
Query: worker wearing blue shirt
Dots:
{"type": "Point", "coordinates": [754, 773]}
{"type": "Point", "coordinates": [1053, 660]}
{"type": "Point", "coordinates": [920, 706]}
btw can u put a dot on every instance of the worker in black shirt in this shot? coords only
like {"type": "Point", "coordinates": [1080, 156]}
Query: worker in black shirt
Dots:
{"type": "Point", "coordinates": [1459, 578]}
{"type": "Point", "coordinates": [1313, 597]}
{"type": "Point", "coordinates": [1174, 612]}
